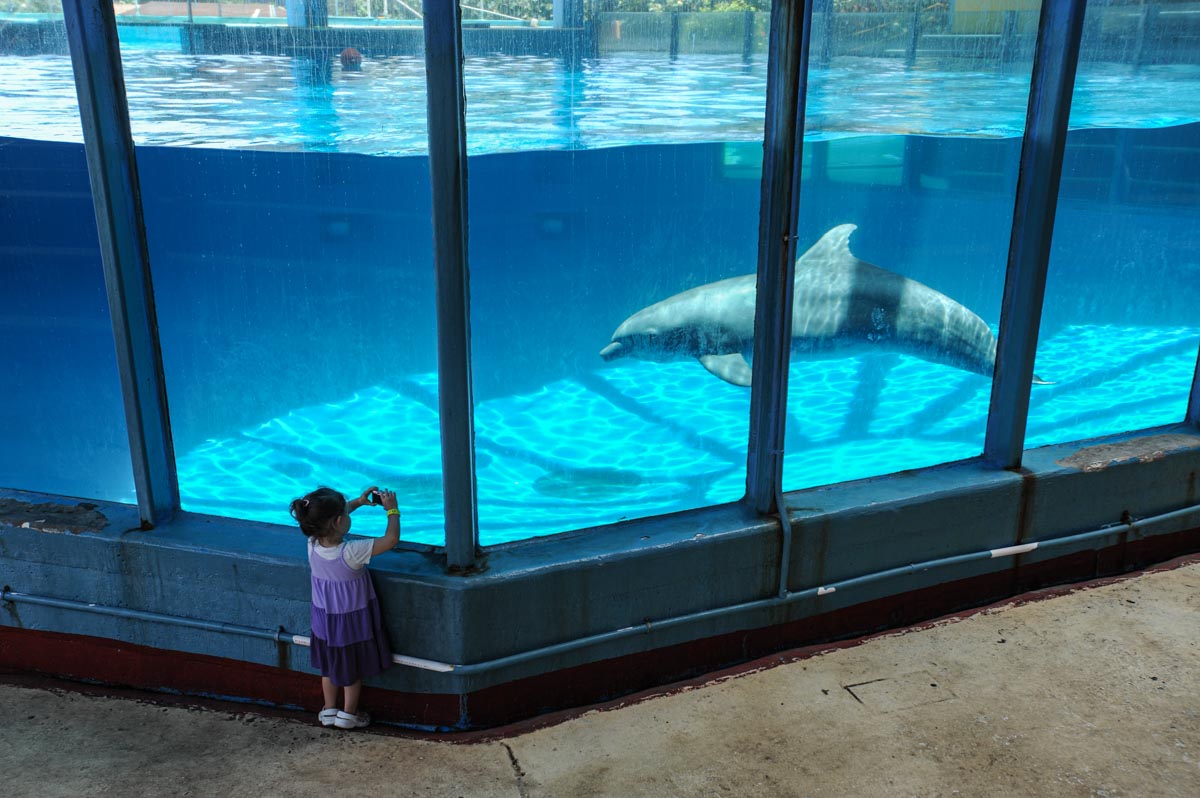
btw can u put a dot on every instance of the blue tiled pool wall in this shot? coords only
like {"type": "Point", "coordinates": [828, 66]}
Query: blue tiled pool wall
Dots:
{"type": "Point", "coordinates": [295, 299]}
{"type": "Point", "coordinates": [61, 412]}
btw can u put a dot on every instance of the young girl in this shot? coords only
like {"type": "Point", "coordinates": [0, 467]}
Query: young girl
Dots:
{"type": "Point", "coordinates": [348, 639]}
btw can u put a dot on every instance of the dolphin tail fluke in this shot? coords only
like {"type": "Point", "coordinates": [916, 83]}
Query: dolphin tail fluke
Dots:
{"type": "Point", "coordinates": [732, 368]}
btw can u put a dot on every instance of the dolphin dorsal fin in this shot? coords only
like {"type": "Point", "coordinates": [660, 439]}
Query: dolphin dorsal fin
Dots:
{"type": "Point", "coordinates": [833, 246]}
{"type": "Point", "coordinates": [732, 368]}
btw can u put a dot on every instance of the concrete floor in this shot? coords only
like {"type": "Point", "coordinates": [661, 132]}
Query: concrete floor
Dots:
{"type": "Point", "coordinates": [1095, 692]}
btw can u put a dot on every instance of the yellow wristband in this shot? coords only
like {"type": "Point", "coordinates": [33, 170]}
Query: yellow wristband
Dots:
{"type": "Point", "coordinates": [393, 512]}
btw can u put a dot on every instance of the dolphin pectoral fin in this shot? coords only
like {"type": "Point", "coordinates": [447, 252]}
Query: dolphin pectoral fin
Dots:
{"type": "Point", "coordinates": [732, 368]}
{"type": "Point", "coordinates": [612, 351]}
{"type": "Point", "coordinates": [1039, 381]}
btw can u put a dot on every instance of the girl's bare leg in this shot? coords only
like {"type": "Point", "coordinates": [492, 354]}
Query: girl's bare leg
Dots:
{"type": "Point", "coordinates": [352, 693]}
{"type": "Point", "coordinates": [330, 691]}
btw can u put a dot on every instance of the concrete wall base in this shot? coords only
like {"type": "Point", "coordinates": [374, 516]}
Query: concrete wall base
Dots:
{"type": "Point", "coordinates": [117, 663]}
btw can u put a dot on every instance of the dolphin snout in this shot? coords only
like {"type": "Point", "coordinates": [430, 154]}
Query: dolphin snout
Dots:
{"type": "Point", "coordinates": [612, 351]}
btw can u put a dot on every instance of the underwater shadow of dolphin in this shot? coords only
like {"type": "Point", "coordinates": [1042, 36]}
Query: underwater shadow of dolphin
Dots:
{"type": "Point", "coordinates": [841, 307]}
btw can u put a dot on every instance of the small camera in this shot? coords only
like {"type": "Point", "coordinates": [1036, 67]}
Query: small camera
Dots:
{"type": "Point", "coordinates": [374, 498]}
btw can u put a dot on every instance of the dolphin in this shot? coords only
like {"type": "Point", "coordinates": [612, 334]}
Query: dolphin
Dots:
{"type": "Point", "coordinates": [841, 307]}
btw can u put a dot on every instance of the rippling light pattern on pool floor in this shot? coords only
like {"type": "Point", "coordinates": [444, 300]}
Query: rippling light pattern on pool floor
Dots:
{"type": "Point", "coordinates": [644, 438]}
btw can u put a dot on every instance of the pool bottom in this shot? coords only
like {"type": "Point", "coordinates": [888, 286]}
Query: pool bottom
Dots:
{"type": "Point", "coordinates": [644, 439]}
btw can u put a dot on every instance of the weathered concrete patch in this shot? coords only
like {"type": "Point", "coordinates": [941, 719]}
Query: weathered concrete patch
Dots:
{"type": "Point", "coordinates": [1096, 458]}
{"type": "Point", "coordinates": [74, 518]}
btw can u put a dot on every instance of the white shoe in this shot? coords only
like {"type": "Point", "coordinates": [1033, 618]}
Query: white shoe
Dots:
{"type": "Point", "coordinates": [328, 717]}
{"type": "Point", "coordinates": [345, 720]}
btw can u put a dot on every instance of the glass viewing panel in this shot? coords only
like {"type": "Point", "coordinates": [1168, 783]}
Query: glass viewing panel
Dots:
{"type": "Point", "coordinates": [914, 139]}
{"type": "Point", "coordinates": [1119, 330]}
{"type": "Point", "coordinates": [62, 417]}
{"type": "Point", "coordinates": [288, 215]}
{"type": "Point", "coordinates": [605, 180]}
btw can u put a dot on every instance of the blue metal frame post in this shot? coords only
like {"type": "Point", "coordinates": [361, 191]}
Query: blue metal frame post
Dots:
{"type": "Point", "coordinates": [448, 174]}
{"type": "Point", "coordinates": [1193, 408]}
{"type": "Point", "coordinates": [914, 35]}
{"type": "Point", "coordinates": [1050, 90]}
{"type": "Point", "coordinates": [92, 36]}
{"type": "Point", "coordinates": [787, 85]}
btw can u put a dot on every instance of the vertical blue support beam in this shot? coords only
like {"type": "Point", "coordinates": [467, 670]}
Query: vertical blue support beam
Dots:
{"type": "Point", "coordinates": [92, 37]}
{"type": "Point", "coordinates": [747, 36]}
{"type": "Point", "coordinates": [1145, 29]}
{"type": "Point", "coordinates": [914, 35]}
{"type": "Point", "coordinates": [1008, 37]}
{"type": "Point", "coordinates": [569, 15]}
{"type": "Point", "coordinates": [1050, 90]}
{"type": "Point", "coordinates": [448, 173]}
{"type": "Point", "coordinates": [825, 49]}
{"type": "Point", "coordinates": [1193, 409]}
{"type": "Point", "coordinates": [674, 38]}
{"type": "Point", "coordinates": [787, 85]}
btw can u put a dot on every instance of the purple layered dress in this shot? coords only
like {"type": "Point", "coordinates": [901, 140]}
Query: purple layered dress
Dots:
{"type": "Point", "coordinates": [348, 639]}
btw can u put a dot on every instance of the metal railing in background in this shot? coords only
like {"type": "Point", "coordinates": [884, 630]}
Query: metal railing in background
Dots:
{"type": "Point", "coordinates": [1154, 32]}
{"type": "Point", "coordinates": [379, 12]}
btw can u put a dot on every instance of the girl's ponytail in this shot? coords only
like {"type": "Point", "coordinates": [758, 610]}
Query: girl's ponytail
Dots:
{"type": "Point", "coordinates": [317, 510]}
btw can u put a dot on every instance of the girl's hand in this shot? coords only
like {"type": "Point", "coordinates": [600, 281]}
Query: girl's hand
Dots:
{"type": "Point", "coordinates": [388, 499]}
{"type": "Point", "coordinates": [392, 536]}
{"type": "Point", "coordinates": [365, 498]}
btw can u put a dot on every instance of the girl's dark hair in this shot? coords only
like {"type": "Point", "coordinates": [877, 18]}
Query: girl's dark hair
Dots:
{"type": "Point", "coordinates": [316, 511]}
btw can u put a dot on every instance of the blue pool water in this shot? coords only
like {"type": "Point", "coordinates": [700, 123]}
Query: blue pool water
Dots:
{"type": "Point", "coordinates": [287, 215]}
{"type": "Point", "coordinates": [528, 102]}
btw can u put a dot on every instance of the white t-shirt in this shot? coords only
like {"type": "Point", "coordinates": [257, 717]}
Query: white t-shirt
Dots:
{"type": "Point", "coordinates": [358, 552]}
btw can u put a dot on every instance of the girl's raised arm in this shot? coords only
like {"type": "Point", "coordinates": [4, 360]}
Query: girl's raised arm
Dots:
{"type": "Point", "coordinates": [392, 536]}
